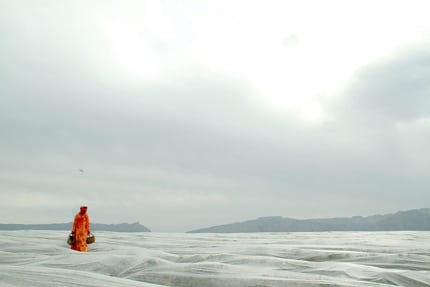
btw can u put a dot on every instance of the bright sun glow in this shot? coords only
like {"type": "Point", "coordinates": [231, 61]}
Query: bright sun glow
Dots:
{"type": "Point", "coordinates": [132, 52]}
{"type": "Point", "coordinates": [311, 112]}
{"type": "Point", "coordinates": [135, 33]}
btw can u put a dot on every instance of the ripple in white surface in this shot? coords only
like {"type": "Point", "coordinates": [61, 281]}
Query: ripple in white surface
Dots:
{"type": "Point", "coordinates": [42, 258]}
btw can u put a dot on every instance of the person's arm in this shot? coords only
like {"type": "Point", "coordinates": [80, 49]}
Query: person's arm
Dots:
{"type": "Point", "coordinates": [74, 225]}
{"type": "Point", "coordinates": [88, 224]}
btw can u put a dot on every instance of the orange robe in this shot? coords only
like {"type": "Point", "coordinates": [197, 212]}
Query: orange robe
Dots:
{"type": "Point", "coordinates": [81, 229]}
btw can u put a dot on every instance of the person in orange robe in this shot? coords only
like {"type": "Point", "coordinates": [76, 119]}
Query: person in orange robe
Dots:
{"type": "Point", "coordinates": [81, 229]}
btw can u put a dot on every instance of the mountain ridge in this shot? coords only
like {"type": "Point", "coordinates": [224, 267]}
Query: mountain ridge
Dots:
{"type": "Point", "coordinates": [414, 219]}
{"type": "Point", "coordinates": [122, 227]}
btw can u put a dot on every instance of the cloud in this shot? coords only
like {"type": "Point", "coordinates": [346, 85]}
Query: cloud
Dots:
{"type": "Point", "coordinates": [393, 88]}
{"type": "Point", "coordinates": [201, 144]}
{"type": "Point", "coordinates": [291, 41]}
{"type": "Point", "coordinates": [196, 145]}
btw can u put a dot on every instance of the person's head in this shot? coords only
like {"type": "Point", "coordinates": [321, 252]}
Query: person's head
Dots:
{"type": "Point", "coordinates": [83, 209]}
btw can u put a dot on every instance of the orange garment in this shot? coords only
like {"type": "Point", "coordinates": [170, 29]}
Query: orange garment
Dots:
{"type": "Point", "coordinates": [80, 230]}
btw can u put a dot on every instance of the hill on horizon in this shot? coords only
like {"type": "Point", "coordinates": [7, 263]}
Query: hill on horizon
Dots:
{"type": "Point", "coordinates": [415, 219]}
{"type": "Point", "coordinates": [122, 227]}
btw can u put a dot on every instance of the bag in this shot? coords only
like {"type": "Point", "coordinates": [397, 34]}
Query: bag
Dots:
{"type": "Point", "coordinates": [91, 238]}
{"type": "Point", "coordinates": [71, 239]}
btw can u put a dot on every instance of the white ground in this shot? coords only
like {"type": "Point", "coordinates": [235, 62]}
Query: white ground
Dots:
{"type": "Point", "coordinates": [42, 258]}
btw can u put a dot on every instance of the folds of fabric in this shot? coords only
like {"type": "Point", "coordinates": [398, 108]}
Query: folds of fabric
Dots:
{"type": "Point", "coordinates": [81, 229]}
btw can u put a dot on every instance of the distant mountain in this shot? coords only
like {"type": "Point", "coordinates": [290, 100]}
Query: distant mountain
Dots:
{"type": "Point", "coordinates": [123, 227]}
{"type": "Point", "coordinates": [417, 219]}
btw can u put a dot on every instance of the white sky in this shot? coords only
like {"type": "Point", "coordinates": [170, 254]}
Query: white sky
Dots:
{"type": "Point", "coordinates": [186, 114]}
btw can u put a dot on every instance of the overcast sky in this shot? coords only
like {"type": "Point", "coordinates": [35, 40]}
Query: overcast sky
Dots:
{"type": "Point", "coordinates": [188, 114]}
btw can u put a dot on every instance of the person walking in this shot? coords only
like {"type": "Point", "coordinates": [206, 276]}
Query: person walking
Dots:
{"type": "Point", "coordinates": [81, 230]}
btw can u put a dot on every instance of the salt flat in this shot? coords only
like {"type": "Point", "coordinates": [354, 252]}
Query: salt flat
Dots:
{"type": "Point", "coordinates": [42, 258]}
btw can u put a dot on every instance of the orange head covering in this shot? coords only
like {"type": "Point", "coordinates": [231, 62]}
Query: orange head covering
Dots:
{"type": "Point", "coordinates": [83, 209]}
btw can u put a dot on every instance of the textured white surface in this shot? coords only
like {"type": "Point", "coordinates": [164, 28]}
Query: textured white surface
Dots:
{"type": "Point", "coordinates": [42, 258]}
